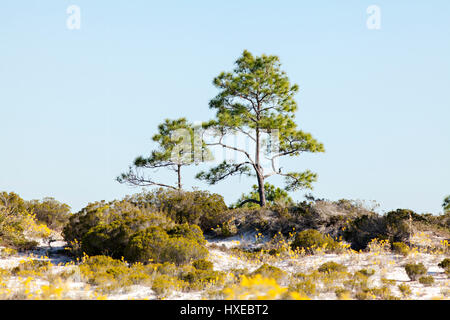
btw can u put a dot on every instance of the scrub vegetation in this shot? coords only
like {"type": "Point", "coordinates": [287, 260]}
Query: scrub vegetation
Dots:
{"type": "Point", "coordinates": [172, 243]}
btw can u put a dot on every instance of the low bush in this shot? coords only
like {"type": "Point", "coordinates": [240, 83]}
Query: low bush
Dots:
{"type": "Point", "coordinates": [400, 248]}
{"type": "Point", "coordinates": [363, 229]}
{"type": "Point", "coordinates": [388, 282]}
{"type": "Point", "coordinates": [367, 273]}
{"type": "Point", "coordinates": [426, 280]}
{"type": "Point", "coordinates": [224, 229]}
{"type": "Point", "coordinates": [107, 239]}
{"type": "Point", "coordinates": [203, 264]}
{"type": "Point", "coordinates": [273, 196]}
{"type": "Point", "coordinates": [110, 275]}
{"type": "Point", "coordinates": [236, 272]}
{"type": "Point", "coordinates": [307, 286]}
{"type": "Point", "coordinates": [381, 293]}
{"type": "Point", "coordinates": [187, 231]}
{"type": "Point", "coordinates": [147, 245]}
{"type": "Point", "coordinates": [397, 224]}
{"type": "Point", "coordinates": [414, 271]}
{"type": "Point", "coordinates": [182, 250]}
{"type": "Point", "coordinates": [255, 288]}
{"type": "Point", "coordinates": [331, 266]}
{"type": "Point", "coordinates": [163, 285]}
{"type": "Point", "coordinates": [49, 211]}
{"type": "Point", "coordinates": [445, 264]}
{"type": "Point", "coordinates": [364, 295]}
{"type": "Point", "coordinates": [359, 281]}
{"type": "Point", "coordinates": [17, 225]}
{"type": "Point", "coordinates": [31, 267]}
{"type": "Point", "coordinates": [6, 252]}
{"type": "Point", "coordinates": [157, 245]}
{"type": "Point", "coordinates": [342, 294]}
{"type": "Point", "coordinates": [405, 289]}
{"type": "Point", "coordinates": [4, 273]}
{"type": "Point", "coordinates": [310, 239]}
{"type": "Point", "coordinates": [201, 208]}
{"type": "Point", "coordinates": [198, 279]}
{"type": "Point", "coordinates": [268, 271]}
{"type": "Point", "coordinates": [102, 213]}
{"type": "Point", "coordinates": [122, 229]}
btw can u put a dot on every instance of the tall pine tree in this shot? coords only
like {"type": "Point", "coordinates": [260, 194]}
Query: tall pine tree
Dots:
{"type": "Point", "coordinates": [256, 99]}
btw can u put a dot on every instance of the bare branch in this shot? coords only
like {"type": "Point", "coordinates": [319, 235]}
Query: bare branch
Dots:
{"type": "Point", "coordinates": [247, 201]}
{"type": "Point", "coordinates": [133, 178]}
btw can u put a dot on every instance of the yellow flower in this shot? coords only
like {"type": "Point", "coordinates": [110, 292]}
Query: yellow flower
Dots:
{"type": "Point", "coordinates": [298, 296]}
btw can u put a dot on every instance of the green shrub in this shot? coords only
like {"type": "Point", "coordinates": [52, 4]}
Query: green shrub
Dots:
{"type": "Point", "coordinates": [388, 282]}
{"type": "Point", "coordinates": [14, 238]}
{"type": "Point", "coordinates": [156, 245]}
{"type": "Point", "coordinates": [226, 229]}
{"type": "Point", "coordinates": [358, 281]}
{"type": "Point", "coordinates": [426, 280]}
{"type": "Point", "coordinates": [163, 285]}
{"type": "Point", "coordinates": [4, 273]}
{"type": "Point", "coordinates": [273, 195]}
{"type": "Point", "coordinates": [102, 213]}
{"type": "Point", "coordinates": [306, 286]}
{"type": "Point", "coordinates": [363, 295]}
{"type": "Point", "coordinates": [311, 239]}
{"type": "Point", "coordinates": [123, 229]}
{"type": "Point", "coordinates": [99, 263]}
{"type": "Point", "coordinates": [367, 273]}
{"type": "Point", "coordinates": [383, 293]}
{"type": "Point", "coordinates": [196, 207]}
{"type": "Point", "coordinates": [49, 211]}
{"type": "Point", "coordinates": [400, 248]}
{"type": "Point", "coordinates": [268, 271]}
{"type": "Point", "coordinates": [198, 279]}
{"type": "Point", "coordinates": [31, 268]}
{"type": "Point", "coordinates": [14, 220]}
{"type": "Point", "coordinates": [110, 275]}
{"type": "Point", "coordinates": [397, 223]}
{"type": "Point", "coordinates": [186, 231]}
{"type": "Point", "coordinates": [414, 271]}
{"type": "Point", "coordinates": [7, 252]}
{"type": "Point", "coordinates": [342, 294]}
{"type": "Point", "coordinates": [181, 250]}
{"type": "Point", "coordinates": [445, 264]}
{"type": "Point", "coordinates": [203, 264]}
{"type": "Point", "coordinates": [405, 289]}
{"type": "Point", "coordinates": [147, 245]}
{"type": "Point", "coordinates": [167, 268]}
{"type": "Point", "coordinates": [446, 204]}
{"type": "Point", "coordinates": [236, 272]}
{"type": "Point", "coordinates": [362, 229]}
{"type": "Point", "coordinates": [331, 266]}
{"type": "Point", "coordinates": [110, 239]}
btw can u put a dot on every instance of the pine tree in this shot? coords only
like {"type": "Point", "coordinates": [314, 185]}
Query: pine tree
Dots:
{"type": "Point", "coordinates": [177, 148]}
{"type": "Point", "coordinates": [256, 100]}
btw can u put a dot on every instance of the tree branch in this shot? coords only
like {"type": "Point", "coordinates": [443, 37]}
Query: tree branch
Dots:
{"type": "Point", "coordinates": [247, 201]}
{"type": "Point", "coordinates": [133, 178]}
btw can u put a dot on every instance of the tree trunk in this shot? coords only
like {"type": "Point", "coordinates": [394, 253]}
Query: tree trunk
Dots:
{"type": "Point", "coordinates": [261, 191]}
{"type": "Point", "coordinates": [179, 176]}
{"type": "Point", "coordinates": [259, 173]}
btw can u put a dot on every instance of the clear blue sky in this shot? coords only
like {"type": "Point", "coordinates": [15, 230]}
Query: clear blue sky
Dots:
{"type": "Point", "coordinates": [77, 106]}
